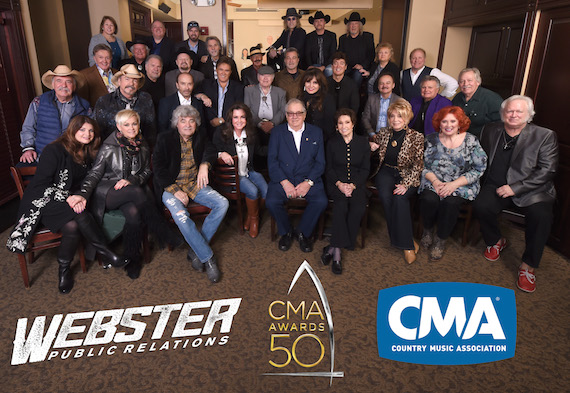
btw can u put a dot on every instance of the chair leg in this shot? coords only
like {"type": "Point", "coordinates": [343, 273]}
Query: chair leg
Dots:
{"type": "Point", "coordinates": [24, 269]}
{"type": "Point", "coordinates": [240, 215]}
{"type": "Point", "coordinates": [467, 226]}
{"type": "Point", "coordinates": [81, 251]}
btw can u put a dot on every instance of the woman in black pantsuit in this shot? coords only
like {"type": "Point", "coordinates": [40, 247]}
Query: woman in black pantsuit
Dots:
{"type": "Point", "coordinates": [348, 166]}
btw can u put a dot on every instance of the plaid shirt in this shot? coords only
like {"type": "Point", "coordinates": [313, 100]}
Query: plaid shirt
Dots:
{"type": "Point", "coordinates": [186, 180]}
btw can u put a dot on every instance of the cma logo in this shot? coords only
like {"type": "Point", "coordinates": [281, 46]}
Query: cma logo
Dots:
{"type": "Point", "coordinates": [446, 323]}
{"type": "Point", "coordinates": [431, 315]}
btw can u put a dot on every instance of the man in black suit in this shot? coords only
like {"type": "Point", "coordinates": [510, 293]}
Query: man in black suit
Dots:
{"type": "Point", "coordinates": [320, 45]}
{"type": "Point", "coordinates": [183, 96]}
{"type": "Point", "coordinates": [341, 87]}
{"type": "Point", "coordinates": [161, 45]}
{"type": "Point", "coordinates": [194, 44]}
{"type": "Point", "coordinates": [209, 64]}
{"type": "Point", "coordinates": [223, 93]}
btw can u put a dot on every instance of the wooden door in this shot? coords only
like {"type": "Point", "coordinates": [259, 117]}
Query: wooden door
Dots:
{"type": "Point", "coordinates": [549, 87]}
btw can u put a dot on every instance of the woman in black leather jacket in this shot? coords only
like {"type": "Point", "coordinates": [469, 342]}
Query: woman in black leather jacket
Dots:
{"type": "Point", "coordinates": [118, 180]}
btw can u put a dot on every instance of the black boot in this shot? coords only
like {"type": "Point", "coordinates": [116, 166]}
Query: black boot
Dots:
{"type": "Point", "coordinates": [65, 276]}
{"type": "Point", "coordinates": [65, 254]}
{"type": "Point", "coordinates": [94, 235]}
{"type": "Point", "coordinates": [132, 241]}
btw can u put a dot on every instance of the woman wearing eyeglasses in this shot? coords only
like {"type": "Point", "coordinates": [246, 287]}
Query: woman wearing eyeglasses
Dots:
{"type": "Point", "coordinates": [237, 138]}
{"type": "Point", "coordinates": [453, 163]}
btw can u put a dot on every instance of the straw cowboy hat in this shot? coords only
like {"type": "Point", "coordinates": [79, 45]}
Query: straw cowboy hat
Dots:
{"type": "Point", "coordinates": [62, 70]}
{"type": "Point", "coordinates": [319, 15]}
{"type": "Point", "coordinates": [128, 70]}
{"type": "Point", "coordinates": [255, 50]}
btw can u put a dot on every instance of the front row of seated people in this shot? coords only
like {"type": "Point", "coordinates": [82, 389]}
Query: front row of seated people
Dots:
{"type": "Point", "coordinates": [516, 162]}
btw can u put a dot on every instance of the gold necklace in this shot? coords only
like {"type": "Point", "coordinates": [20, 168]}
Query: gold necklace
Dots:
{"type": "Point", "coordinates": [395, 141]}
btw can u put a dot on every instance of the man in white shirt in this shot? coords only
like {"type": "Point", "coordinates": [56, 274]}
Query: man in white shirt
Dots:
{"type": "Point", "coordinates": [412, 77]}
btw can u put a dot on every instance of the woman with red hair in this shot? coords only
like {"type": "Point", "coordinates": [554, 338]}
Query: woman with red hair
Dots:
{"type": "Point", "coordinates": [453, 163]}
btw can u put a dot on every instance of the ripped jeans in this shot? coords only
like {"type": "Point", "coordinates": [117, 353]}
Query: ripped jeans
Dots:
{"type": "Point", "coordinates": [198, 240]}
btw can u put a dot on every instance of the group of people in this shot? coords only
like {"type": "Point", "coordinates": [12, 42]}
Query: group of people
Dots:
{"type": "Point", "coordinates": [95, 133]}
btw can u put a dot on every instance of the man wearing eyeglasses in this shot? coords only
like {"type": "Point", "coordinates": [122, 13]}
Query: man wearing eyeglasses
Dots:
{"type": "Point", "coordinates": [296, 162]}
{"type": "Point", "coordinates": [523, 158]}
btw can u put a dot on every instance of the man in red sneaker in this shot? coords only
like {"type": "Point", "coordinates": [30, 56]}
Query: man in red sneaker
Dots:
{"type": "Point", "coordinates": [522, 163]}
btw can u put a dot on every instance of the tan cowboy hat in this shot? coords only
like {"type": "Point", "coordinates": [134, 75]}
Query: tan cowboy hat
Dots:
{"type": "Point", "coordinates": [62, 70]}
{"type": "Point", "coordinates": [129, 70]}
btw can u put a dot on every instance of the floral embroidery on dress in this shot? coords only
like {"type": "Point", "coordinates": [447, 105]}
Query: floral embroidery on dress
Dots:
{"type": "Point", "coordinates": [18, 240]}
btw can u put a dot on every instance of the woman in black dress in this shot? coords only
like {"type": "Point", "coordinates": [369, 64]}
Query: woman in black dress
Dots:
{"type": "Point", "coordinates": [348, 166]}
{"type": "Point", "coordinates": [49, 199]}
{"type": "Point", "coordinates": [320, 105]}
{"type": "Point", "coordinates": [118, 180]}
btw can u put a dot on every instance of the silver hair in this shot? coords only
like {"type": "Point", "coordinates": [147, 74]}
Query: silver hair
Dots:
{"type": "Point", "coordinates": [184, 111]}
{"type": "Point", "coordinates": [474, 70]}
{"type": "Point", "coordinates": [295, 101]}
{"type": "Point", "coordinates": [428, 78]}
{"type": "Point", "coordinates": [154, 57]}
{"type": "Point", "coordinates": [527, 101]}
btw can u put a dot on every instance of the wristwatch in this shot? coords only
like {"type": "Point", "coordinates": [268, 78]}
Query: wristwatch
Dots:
{"type": "Point", "coordinates": [310, 182]}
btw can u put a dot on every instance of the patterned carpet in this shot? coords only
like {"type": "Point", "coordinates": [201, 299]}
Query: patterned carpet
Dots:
{"type": "Point", "coordinates": [255, 271]}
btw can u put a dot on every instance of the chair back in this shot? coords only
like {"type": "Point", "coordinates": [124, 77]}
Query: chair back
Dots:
{"type": "Point", "coordinates": [226, 179]}
{"type": "Point", "coordinates": [22, 177]}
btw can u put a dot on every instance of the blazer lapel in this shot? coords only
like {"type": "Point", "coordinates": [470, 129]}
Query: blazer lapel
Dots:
{"type": "Point", "coordinates": [521, 142]}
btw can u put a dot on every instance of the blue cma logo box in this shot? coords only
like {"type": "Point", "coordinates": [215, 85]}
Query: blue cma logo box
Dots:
{"type": "Point", "coordinates": [446, 323]}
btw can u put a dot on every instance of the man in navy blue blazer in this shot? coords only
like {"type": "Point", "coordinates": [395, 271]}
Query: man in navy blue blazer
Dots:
{"type": "Point", "coordinates": [296, 163]}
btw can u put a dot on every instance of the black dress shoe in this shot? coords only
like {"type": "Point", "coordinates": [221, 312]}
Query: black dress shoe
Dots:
{"type": "Point", "coordinates": [286, 241]}
{"type": "Point", "coordinates": [326, 258]}
{"type": "Point", "coordinates": [336, 267]}
{"type": "Point", "coordinates": [305, 243]}
{"type": "Point", "coordinates": [134, 269]}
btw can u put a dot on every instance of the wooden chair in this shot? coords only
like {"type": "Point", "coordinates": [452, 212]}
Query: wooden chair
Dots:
{"type": "Point", "coordinates": [43, 238]}
{"type": "Point", "coordinates": [363, 222]}
{"type": "Point", "coordinates": [226, 181]}
{"type": "Point", "coordinates": [295, 206]}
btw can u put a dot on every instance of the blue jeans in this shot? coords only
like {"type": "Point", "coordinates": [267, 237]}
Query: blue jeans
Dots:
{"type": "Point", "coordinates": [198, 240]}
{"type": "Point", "coordinates": [355, 75]}
{"type": "Point", "coordinates": [327, 71]}
{"type": "Point", "coordinates": [253, 185]}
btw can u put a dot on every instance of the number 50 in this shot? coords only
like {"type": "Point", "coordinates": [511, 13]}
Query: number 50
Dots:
{"type": "Point", "coordinates": [274, 348]}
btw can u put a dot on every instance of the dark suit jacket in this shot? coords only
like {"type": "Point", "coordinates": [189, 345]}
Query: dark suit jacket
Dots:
{"type": "Point", "coordinates": [249, 76]}
{"type": "Point", "coordinates": [324, 118]}
{"type": "Point", "coordinates": [338, 159]}
{"type": "Point", "coordinates": [167, 51]}
{"type": "Point", "coordinates": [253, 147]}
{"type": "Point", "coordinates": [252, 99]}
{"type": "Point", "coordinates": [533, 163]}
{"type": "Point", "coordinates": [207, 69]}
{"type": "Point", "coordinates": [434, 106]}
{"type": "Point", "coordinates": [284, 162]}
{"type": "Point", "coordinates": [372, 110]}
{"type": "Point", "coordinates": [312, 48]}
{"type": "Point", "coordinates": [94, 86]}
{"type": "Point", "coordinates": [233, 95]}
{"type": "Point", "coordinates": [170, 81]}
{"type": "Point", "coordinates": [391, 68]}
{"type": "Point", "coordinates": [166, 157]}
{"type": "Point", "coordinates": [348, 95]}
{"type": "Point", "coordinates": [359, 50]}
{"type": "Point", "coordinates": [168, 104]}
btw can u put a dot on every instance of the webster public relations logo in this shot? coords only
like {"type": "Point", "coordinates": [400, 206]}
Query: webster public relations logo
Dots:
{"type": "Point", "coordinates": [446, 323]}
{"type": "Point", "coordinates": [299, 331]}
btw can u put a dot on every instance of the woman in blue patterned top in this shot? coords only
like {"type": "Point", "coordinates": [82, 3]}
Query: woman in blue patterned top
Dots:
{"type": "Point", "coordinates": [453, 163]}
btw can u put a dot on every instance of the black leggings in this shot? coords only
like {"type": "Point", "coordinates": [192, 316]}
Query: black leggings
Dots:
{"type": "Point", "coordinates": [130, 200]}
{"type": "Point", "coordinates": [70, 236]}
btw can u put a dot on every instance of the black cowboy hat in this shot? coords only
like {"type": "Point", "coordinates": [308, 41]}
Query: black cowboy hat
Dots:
{"type": "Point", "coordinates": [291, 12]}
{"type": "Point", "coordinates": [354, 17]}
{"type": "Point", "coordinates": [136, 41]}
{"type": "Point", "coordinates": [319, 15]}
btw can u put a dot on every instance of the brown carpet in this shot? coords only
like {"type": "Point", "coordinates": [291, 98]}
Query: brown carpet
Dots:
{"type": "Point", "coordinates": [254, 270]}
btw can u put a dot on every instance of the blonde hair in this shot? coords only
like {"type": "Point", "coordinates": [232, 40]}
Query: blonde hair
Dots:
{"type": "Point", "coordinates": [122, 116]}
{"type": "Point", "coordinates": [403, 108]}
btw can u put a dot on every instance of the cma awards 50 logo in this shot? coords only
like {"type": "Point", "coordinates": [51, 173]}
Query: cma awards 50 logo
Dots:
{"type": "Point", "coordinates": [446, 323]}
{"type": "Point", "coordinates": [301, 334]}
